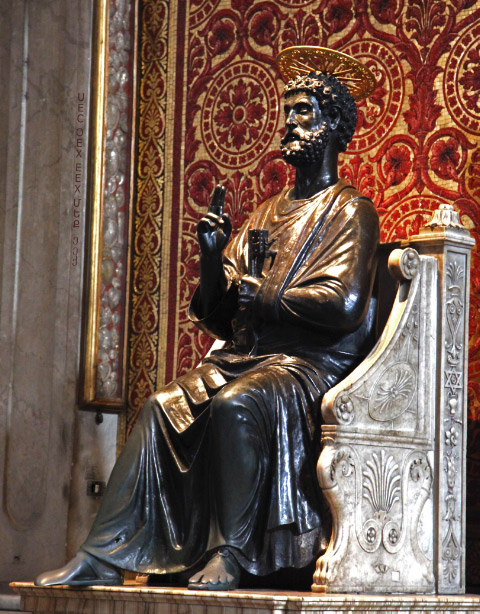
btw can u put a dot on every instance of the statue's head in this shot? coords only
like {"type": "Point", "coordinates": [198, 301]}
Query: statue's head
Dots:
{"type": "Point", "coordinates": [318, 109]}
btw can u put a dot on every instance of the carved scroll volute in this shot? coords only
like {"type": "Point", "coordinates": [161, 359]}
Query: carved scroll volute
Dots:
{"type": "Point", "coordinates": [403, 264]}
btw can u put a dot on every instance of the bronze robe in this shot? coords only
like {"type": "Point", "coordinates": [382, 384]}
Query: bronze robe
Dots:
{"type": "Point", "coordinates": [226, 454]}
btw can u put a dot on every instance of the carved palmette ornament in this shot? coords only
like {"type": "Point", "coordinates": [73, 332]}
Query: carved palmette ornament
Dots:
{"type": "Point", "coordinates": [386, 528]}
{"type": "Point", "coordinates": [381, 482]}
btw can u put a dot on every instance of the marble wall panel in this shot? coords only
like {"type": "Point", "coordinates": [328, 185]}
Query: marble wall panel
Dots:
{"type": "Point", "coordinates": [93, 458]}
{"type": "Point", "coordinates": [45, 70]}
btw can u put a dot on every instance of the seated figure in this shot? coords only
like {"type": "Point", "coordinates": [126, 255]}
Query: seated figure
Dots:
{"type": "Point", "coordinates": [220, 468]}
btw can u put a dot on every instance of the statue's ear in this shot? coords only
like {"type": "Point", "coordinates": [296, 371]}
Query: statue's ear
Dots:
{"type": "Point", "coordinates": [334, 115]}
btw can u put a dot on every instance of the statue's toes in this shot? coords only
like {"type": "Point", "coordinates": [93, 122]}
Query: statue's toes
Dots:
{"type": "Point", "coordinates": [221, 573]}
{"type": "Point", "coordinates": [225, 578]}
{"type": "Point", "coordinates": [196, 579]}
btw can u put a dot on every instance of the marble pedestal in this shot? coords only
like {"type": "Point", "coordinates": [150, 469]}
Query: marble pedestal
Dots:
{"type": "Point", "coordinates": [150, 600]}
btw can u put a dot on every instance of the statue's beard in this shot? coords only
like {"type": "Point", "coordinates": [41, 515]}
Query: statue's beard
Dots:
{"type": "Point", "coordinates": [305, 148]}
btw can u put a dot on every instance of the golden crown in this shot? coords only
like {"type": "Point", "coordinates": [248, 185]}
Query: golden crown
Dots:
{"type": "Point", "coordinates": [302, 60]}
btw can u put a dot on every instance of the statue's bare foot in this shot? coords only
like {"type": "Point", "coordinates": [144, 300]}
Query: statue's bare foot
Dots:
{"type": "Point", "coordinates": [221, 573]}
{"type": "Point", "coordinates": [83, 570]}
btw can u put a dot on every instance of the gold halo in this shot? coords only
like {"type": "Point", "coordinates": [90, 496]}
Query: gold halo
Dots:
{"type": "Point", "coordinates": [301, 60]}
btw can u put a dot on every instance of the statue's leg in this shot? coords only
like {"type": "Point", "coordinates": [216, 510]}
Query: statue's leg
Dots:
{"type": "Point", "coordinates": [146, 521]}
{"type": "Point", "coordinates": [262, 474]}
{"type": "Point", "coordinates": [240, 442]}
{"type": "Point", "coordinates": [222, 485]}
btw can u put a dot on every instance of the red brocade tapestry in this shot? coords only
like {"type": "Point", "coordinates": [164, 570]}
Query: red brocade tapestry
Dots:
{"type": "Point", "coordinates": [210, 112]}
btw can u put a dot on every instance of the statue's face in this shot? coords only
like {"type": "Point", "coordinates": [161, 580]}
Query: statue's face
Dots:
{"type": "Point", "coordinates": [306, 130]}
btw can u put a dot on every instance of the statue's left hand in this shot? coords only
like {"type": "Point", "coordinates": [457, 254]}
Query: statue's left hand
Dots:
{"type": "Point", "coordinates": [247, 290]}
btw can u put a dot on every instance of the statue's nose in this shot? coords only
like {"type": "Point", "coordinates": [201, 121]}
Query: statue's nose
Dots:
{"type": "Point", "coordinates": [291, 119]}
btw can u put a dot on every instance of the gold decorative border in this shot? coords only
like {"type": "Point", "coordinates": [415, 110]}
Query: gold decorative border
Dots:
{"type": "Point", "coordinates": [96, 178]}
{"type": "Point", "coordinates": [151, 235]}
{"type": "Point", "coordinates": [95, 213]}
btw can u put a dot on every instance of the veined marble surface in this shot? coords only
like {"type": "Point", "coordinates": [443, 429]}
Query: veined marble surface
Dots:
{"type": "Point", "coordinates": [150, 600]}
{"type": "Point", "coordinates": [45, 54]}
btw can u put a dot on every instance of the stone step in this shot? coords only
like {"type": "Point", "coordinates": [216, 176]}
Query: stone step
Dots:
{"type": "Point", "coordinates": [152, 600]}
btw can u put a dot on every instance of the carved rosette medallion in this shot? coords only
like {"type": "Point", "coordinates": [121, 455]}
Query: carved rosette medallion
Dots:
{"type": "Point", "coordinates": [451, 551]}
{"type": "Point", "coordinates": [403, 263]}
{"type": "Point", "coordinates": [344, 409]}
{"type": "Point", "coordinates": [393, 392]}
{"type": "Point", "coordinates": [409, 263]}
{"type": "Point", "coordinates": [239, 115]}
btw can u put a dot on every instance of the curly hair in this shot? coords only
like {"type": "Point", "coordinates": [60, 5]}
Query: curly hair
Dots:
{"type": "Point", "coordinates": [328, 90]}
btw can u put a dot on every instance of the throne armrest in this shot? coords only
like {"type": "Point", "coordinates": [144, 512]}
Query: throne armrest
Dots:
{"type": "Point", "coordinates": [382, 393]}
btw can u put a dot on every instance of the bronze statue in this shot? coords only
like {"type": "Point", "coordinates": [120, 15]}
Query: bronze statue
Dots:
{"type": "Point", "coordinates": [220, 467]}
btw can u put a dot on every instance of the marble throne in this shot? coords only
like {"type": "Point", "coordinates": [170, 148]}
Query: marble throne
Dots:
{"type": "Point", "coordinates": [393, 461]}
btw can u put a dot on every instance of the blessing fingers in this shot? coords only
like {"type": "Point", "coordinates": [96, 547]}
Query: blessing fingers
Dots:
{"type": "Point", "coordinates": [211, 220]}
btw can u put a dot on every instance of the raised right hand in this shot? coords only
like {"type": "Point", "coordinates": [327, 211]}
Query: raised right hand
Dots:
{"type": "Point", "coordinates": [215, 228]}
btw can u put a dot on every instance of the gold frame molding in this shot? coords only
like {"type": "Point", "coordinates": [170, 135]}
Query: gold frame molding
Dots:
{"type": "Point", "coordinates": [89, 399]}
